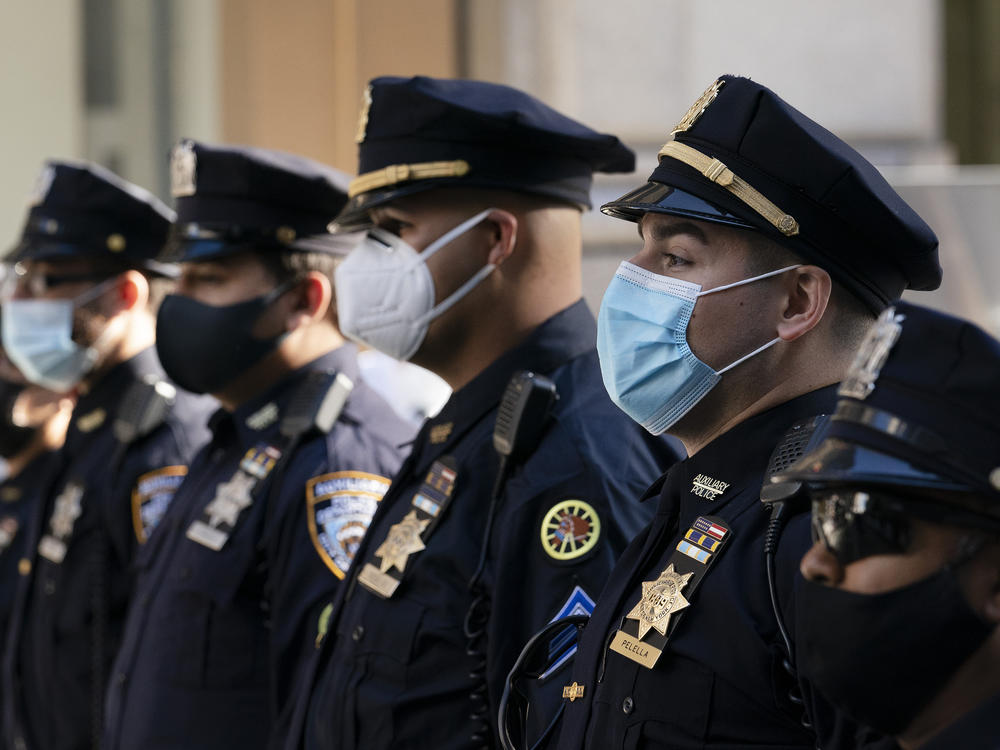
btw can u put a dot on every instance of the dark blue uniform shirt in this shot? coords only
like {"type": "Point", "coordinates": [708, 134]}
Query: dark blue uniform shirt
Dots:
{"type": "Point", "coordinates": [399, 671]}
{"type": "Point", "coordinates": [77, 575]}
{"type": "Point", "coordinates": [719, 682]}
{"type": "Point", "coordinates": [214, 635]}
{"type": "Point", "coordinates": [19, 496]}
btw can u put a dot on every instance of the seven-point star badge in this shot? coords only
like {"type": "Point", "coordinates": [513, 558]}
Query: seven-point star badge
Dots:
{"type": "Point", "coordinates": [660, 599]}
{"type": "Point", "coordinates": [403, 540]}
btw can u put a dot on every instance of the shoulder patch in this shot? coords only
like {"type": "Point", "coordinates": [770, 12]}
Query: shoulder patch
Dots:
{"type": "Point", "coordinates": [340, 507]}
{"type": "Point", "coordinates": [151, 497]}
{"type": "Point", "coordinates": [570, 529]}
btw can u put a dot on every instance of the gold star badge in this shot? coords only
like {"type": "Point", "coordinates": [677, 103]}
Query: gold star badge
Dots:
{"type": "Point", "coordinates": [403, 540]}
{"type": "Point", "coordinates": [660, 599]}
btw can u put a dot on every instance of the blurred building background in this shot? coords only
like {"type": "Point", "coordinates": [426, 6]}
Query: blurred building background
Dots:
{"type": "Point", "coordinates": [914, 84]}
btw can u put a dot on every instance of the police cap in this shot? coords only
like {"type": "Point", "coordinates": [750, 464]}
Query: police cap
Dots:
{"type": "Point", "coordinates": [231, 199]}
{"type": "Point", "coordinates": [82, 210]}
{"type": "Point", "coordinates": [920, 411]}
{"type": "Point", "coordinates": [420, 133]}
{"type": "Point", "coordinates": [743, 156]}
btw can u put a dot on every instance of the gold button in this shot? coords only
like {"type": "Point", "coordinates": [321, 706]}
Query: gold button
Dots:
{"type": "Point", "coordinates": [24, 566]}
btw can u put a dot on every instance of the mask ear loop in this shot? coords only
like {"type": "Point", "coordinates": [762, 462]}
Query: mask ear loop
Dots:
{"type": "Point", "coordinates": [770, 343]}
{"type": "Point", "coordinates": [447, 303]}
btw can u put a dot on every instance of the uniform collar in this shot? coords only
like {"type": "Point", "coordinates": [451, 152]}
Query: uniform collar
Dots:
{"type": "Point", "coordinates": [717, 473]}
{"type": "Point", "coordinates": [97, 407]}
{"type": "Point", "coordinates": [258, 418]}
{"type": "Point", "coordinates": [565, 336]}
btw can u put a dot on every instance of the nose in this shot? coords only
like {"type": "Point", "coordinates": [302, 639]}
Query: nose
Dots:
{"type": "Point", "coordinates": [820, 566]}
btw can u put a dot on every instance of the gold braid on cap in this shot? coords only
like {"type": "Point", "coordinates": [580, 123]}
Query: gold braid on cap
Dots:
{"type": "Point", "coordinates": [723, 176]}
{"type": "Point", "coordinates": [396, 173]}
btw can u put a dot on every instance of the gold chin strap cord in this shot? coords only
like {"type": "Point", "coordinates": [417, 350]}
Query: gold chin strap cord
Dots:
{"type": "Point", "coordinates": [724, 177]}
{"type": "Point", "coordinates": [396, 173]}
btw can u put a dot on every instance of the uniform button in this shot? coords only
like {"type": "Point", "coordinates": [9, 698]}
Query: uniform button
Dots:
{"type": "Point", "coordinates": [184, 573]}
{"type": "Point", "coordinates": [121, 678]}
{"type": "Point", "coordinates": [358, 634]}
{"type": "Point", "coordinates": [628, 705]}
{"type": "Point", "coordinates": [24, 566]}
{"type": "Point", "coordinates": [50, 587]}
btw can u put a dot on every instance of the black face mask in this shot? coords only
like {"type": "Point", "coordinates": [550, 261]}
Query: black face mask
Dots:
{"type": "Point", "coordinates": [203, 347]}
{"type": "Point", "coordinates": [882, 657]}
{"type": "Point", "coordinates": [13, 438]}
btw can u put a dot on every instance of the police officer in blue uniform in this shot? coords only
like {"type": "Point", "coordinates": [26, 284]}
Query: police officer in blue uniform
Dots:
{"type": "Point", "coordinates": [768, 245]}
{"type": "Point", "coordinates": [471, 193]}
{"type": "Point", "coordinates": [263, 529]}
{"type": "Point", "coordinates": [80, 318]}
{"type": "Point", "coordinates": [897, 620]}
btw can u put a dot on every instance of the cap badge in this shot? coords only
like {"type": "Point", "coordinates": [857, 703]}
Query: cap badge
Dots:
{"type": "Point", "coordinates": [183, 168]}
{"type": "Point", "coordinates": [698, 108]}
{"type": "Point", "coordinates": [366, 104]}
{"type": "Point", "coordinates": [41, 187]}
{"type": "Point", "coordinates": [871, 356]}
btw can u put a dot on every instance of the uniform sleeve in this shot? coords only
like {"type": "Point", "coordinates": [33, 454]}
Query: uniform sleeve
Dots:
{"type": "Point", "coordinates": [324, 513]}
{"type": "Point", "coordinates": [554, 554]}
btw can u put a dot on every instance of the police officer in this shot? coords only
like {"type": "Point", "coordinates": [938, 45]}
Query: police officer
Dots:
{"type": "Point", "coordinates": [898, 618]}
{"type": "Point", "coordinates": [472, 194]}
{"type": "Point", "coordinates": [33, 425]}
{"type": "Point", "coordinates": [266, 523]}
{"type": "Point", "coordinates": [767, 247]}
{"type": "Point", "coordinates": [80, 319]}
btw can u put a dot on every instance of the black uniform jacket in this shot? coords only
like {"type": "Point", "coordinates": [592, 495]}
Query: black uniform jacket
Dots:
{"type": "Point", "coordinates": [19, 496]}
{"type": "Point", "coordinates": [214, 636]}
{"type": "Point", "coordinates": [401, 672]}
{"type": "Point", "coordinates": [719, 682]}
{"type": "Point", "coordinates": [76, 575]}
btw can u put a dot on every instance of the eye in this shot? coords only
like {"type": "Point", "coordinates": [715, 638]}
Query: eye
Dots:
{"type": "Point", "coordinates": [392, 225]}
{"type": "Point", "coordinates": [674, 261]}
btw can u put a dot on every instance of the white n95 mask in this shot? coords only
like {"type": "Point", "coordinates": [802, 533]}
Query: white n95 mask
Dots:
{"type": "Point", "coordinates": [385, 292]}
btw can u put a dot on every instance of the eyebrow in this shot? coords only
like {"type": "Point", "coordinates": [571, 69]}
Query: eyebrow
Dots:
{"type": "Point", "coordinates": [663, 232]}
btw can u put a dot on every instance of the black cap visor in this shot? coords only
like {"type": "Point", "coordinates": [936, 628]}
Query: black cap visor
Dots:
{"type": "Point", "coordinates": [839, 462]}
{"type": "Point", "coordinates": [59, 251]}
{"type": "Point", "coordinates": [665, 199]}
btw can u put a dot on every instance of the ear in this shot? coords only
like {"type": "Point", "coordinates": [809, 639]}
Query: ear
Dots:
{"type": "Point", "coordinates": [310, 301]}
{"type": "Point", "coordinates": [503, 237]}
{"type": "Point", "coordinates": [132, 292]}
{"type": "Point", "coordinates": [808, 289]}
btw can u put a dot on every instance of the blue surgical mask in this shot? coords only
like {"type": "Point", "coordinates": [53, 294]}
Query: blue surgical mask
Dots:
{"type": "Point", "coordinates": [648, 368]}
{"type": "Point", "coordinates": [38, 338]}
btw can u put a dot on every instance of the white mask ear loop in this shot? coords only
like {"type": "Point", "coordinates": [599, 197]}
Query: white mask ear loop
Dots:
{"type": "Point", "coordinates": [748, 281]}
{"type": "Point", "coordinates": [465, 288]}
{"type": "Point", "coordinates": [451, 234]}
{"type": "Point", "coordinates": [770, 343]}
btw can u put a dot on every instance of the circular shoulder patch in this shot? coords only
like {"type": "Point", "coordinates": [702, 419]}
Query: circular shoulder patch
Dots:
{"type": "Point", "coordinates": [570, 529]}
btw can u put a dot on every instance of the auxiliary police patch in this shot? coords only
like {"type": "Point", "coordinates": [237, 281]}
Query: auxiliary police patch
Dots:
{"type": "Point", "coordinates": [340, 507]}
{"type": "Point", "coordinates": [570, 529]}
{"type": "Point", "coordinates": [151, 497]}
